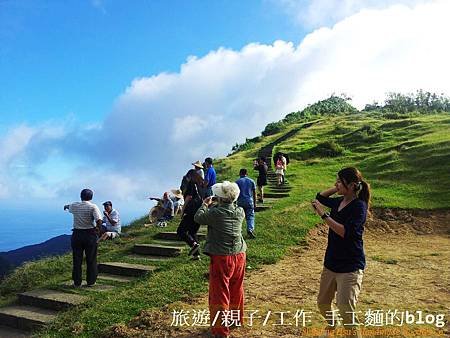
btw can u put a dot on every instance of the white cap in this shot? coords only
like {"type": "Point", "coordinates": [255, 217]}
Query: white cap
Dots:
{"type": "Point", "coordinates": [226, 190]}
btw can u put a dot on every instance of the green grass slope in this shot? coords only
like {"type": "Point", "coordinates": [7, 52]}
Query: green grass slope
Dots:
{"type": "Point", "coordinates": [405, 160]}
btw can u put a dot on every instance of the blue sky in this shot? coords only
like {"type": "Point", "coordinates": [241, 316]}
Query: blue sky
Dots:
{"type": "Point", "coordinates": [121, 96]}
{"type": "Point", "coordinates": [76, 57]}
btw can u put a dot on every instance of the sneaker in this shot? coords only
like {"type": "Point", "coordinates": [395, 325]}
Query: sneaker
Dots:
{"type": "Point", "coordinates": [90, 285]}
{"type": "Point", "coordinates": [196, 258]}
{"type": "Point", "coordinates": [194, 250]}
{"type": "Point", "coordinates": [76, 286]}
{"type": "Point", "coordinates": [251, 234]}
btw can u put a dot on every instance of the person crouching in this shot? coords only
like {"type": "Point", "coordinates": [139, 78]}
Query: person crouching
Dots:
{"type": "Point", "coordinates": [226, 248]}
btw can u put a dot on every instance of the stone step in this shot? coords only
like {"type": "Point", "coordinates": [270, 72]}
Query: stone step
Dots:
{"type": "Point", "coordinates": [125, 269]}
{"type": "Point", "coordinates": [148, 258]}
{"type": "Point", "coordinates": [283, 186]}
{"type": "Point", "coordinates": [9, 332]}
{"type": "Point", "coordinates": [276, 194]}
{"type": "Point", "coordinates": [268, 201]}
{"type": "Point", "coordinates": [168, 242]}
{"type": "Point", "coordinates": [172, 236]}
{"type": "Point", "coordinates": [157, 250]}
{"type": "Point", "coordinates": [51, 299]}
{"type": "Point", "coordinates": [274, 183]}
{"type": "Point", "coordinates": [115, 278]}
{"type": "Point", "coordinates": [96, 288]}
{"type": "Point", "coordinates": [25, 317]}
{"type": "Point", "coordinates": [279, 189]}
{"type": "Point", "coordinates": [259, 208]}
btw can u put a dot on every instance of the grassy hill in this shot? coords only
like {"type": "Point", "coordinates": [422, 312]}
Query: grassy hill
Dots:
{"type": "Point", "coordinates": [406, 160]}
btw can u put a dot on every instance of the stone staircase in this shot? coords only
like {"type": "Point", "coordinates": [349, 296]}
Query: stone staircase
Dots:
{"type": "Point", "coordinates": [37, 308]}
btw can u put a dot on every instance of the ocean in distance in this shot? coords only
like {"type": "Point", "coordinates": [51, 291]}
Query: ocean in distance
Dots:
{"type": "Point", "coordinates": [27, 226]}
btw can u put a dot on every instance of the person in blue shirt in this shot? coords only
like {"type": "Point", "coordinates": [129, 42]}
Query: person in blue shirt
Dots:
{"type": "Point", "coordinates": [345, 261]}
{"type": "Point", "coordinates": [247, 200]}
{"type": "Point", "coordinates": [210, 176]}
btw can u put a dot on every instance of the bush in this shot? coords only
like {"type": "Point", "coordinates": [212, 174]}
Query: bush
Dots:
{"type": "Point", "coordinates": [324, 149]}
{"type": "Point", "coordinates": [273, 128]}
{"type": "Point", "coordinates": [364, 135]}
{"type": "Point", "coordinates": [328, 149]}
{"type": "Point", "coordinates": [249, 142]}
{"type": "Point", "coordinates": [397, 124]}
{"type": "Point", "coordinates": [393, 116]}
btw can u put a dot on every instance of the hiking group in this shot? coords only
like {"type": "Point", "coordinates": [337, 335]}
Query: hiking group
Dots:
{"type": "Point", "coordinates": [223, 208]}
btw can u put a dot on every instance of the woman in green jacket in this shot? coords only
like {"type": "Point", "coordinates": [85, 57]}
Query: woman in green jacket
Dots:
{"type": "Point", "coordinates": [226, 248]}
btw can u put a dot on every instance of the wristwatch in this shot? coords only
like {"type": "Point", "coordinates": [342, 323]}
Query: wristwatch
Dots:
{"type": "Point", "coordinates": [325, 215]}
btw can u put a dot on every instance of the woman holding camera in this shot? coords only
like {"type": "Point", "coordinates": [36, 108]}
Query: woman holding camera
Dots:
{"type": "Point", "coordinates": [226, 248]}
{"type": "Point", "coordinates": [344, 258]}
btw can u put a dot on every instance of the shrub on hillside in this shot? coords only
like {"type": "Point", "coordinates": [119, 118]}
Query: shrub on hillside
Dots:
{"type": "Point", "coordinates": [420, 101]}
{"type": "Point", "coordinates": [339, 129]}
{"type": "Point", "coordinates": [249, 143]}
{"type": "Point", "coordinates": [364, 135]}
{"type": "Point", "coordinates": [328, 149]}
{"type": "Point", "coordinates": [333, 105]}
{"type": "Point", "coordinates": [273, 128]}
{"type": "Point", "coordinates": [324, 149]}
{"type": "Point", "coordinates": [397, 124]}
{"type": "Point", "coordinates": [393, 116]}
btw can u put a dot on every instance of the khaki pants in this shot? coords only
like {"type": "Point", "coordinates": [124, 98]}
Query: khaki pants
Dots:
{"type": "Point", "coordinates": [261, 192]}
{"type": "Point", "coordinates": [347, 287]}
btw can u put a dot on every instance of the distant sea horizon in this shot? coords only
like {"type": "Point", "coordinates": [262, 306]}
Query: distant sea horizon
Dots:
{"type": "Point", "coordinates": [28, 226]}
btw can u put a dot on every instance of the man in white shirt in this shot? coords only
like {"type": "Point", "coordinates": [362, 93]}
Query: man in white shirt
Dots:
{"type": "Point", "coordinates": [111, 220]}
{"type": "Point", "coordinates": [87, 221]}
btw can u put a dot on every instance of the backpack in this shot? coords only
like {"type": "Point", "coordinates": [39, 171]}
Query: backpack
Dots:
{"type": "Point", "coordinates": [184, 185]}
{"type": "Point", "coordinates": [195, 203]}
{"type": "Point", "coordinates": [279, 164]}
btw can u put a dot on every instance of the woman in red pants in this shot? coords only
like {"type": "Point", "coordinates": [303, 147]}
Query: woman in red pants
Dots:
{"type": "Point", "coordinates": [226, 248]}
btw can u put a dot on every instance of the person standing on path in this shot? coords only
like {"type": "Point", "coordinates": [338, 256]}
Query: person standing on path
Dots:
{"type": "Point", "coordinates": [210, 175]}
{"type": "Point", "coordinates": [226, 248]}
{"type": "Point", "coordinates": [284, 161]}
{"type": "Point", "coordinates": [261, 181]}
{"type": "Point", "coordinates": [87, 221]}
{"type": "Point", "coordinates": [279, 170]}
{"type": "Point", "coordinates": [199, 169]}
{"type": "Point", "coordinates": [247, 200]}
{"type": "Point", "coordinates": [345, 261]}
{"type": "Point", "coordinates": [188, 227]}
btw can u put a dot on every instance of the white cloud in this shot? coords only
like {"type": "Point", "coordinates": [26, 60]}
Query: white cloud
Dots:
{"type": "Point", "coordinates": [161, 124]}
{"type": "Point", "coordinates": [318, 13]}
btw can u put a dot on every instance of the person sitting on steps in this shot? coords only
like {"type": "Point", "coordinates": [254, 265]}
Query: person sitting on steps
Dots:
{"type": "Point", "coordinates": [111, 220]}
{"type": "Point", "coordinates": [168, 209]}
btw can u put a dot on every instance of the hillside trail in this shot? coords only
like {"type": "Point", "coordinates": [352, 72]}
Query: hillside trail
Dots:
{"type": "Point", "coordinates": [407, 269]}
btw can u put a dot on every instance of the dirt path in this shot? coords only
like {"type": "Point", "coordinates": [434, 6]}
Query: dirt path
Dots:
{"type": "Point", "coordinates": [408, 268]}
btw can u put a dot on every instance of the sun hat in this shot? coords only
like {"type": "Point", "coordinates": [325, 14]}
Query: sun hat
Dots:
{"type": "Point", "coordinates": [177, 193]}
{"type": "Point", "coordinates": [198, 164]}
{"type": "Point", "coordinates": [227, 190]}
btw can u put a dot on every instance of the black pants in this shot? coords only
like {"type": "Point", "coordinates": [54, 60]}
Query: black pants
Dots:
{"type": "Point", "coordinates": [84, 241]}
{"type": "Point", "coordinates": [187, 230]}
